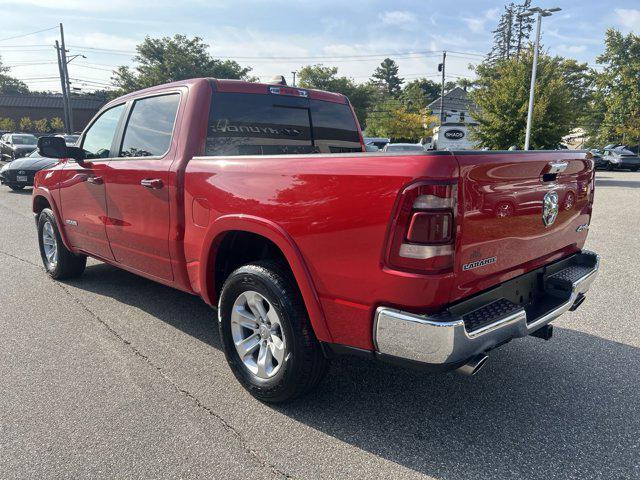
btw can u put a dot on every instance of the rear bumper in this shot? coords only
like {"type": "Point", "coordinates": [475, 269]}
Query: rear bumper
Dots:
{"type": "Point", "coordinates": [628, 162]}
{"type": "Point", "coordinates": [12, 181]}
{"type": "Point", "coordinates": [487, 321]}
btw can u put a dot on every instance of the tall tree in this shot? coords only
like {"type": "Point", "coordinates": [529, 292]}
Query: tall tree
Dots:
{"type": "Point", "coordinates": [361, 96]}
{"type": "Point", "coordinates": [512, 33]}
{"type": "Point", "coordinates": [419, 93]}
{"type": "Point", "coordinates": [10, 85]}
{"type": "Point", "coordinates": [167, 59]}
{"type": "Point", "coordinates": [386, 75]}
{"type": "Point", "coordinates": [617, 100]}
{"type": "Point", "coordinates": [523, 26]}
{"type": "Point", "coordinates": [465, 83]}
{"type": "Point", "coordinates": [395, 121]}
{"type": "Point", "coordinates": [502, 97]}
{"type": "Point", "coordinates": [503, 34]}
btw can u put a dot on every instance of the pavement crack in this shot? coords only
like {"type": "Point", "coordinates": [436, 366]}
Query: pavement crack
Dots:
{"type": "Point", "coordinates": [225, 424]}
{"type": "Point", "coordinates": [23, 260]}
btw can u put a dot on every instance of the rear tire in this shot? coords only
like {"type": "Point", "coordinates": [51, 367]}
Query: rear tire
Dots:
{"type": "Point", "coordinates": [59, 262]}
{"type": "Point", "coordinates": [259, 300]}
{"type": "Point", "coordinates": [634, 169]}
{"type": "Point", "coordinates": [16, 188]}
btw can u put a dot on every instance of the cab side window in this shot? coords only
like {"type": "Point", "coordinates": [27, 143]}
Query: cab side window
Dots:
{"type": "Point", "coordinates": [150, 126]}
{"type": "Point", "coordinates": [97, 140]}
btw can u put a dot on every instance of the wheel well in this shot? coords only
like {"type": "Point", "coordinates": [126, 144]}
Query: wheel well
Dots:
{"type": "Point", "coordinates": [39, 204]}
{"type": "Point", "coordinates": [239, 248]}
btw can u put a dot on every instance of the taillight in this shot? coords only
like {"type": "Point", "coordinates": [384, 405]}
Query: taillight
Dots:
{"type": "Point", "coordinates": [423, 230]}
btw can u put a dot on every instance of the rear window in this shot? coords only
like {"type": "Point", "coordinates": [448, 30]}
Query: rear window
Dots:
{"type": "Point", "coordinates": [254, 124]}
{"type": "Point", "coordinates": [24, 140]}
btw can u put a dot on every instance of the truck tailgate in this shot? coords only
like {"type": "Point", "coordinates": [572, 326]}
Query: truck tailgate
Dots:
{"type": "Point", "coordinates": [516, 211]}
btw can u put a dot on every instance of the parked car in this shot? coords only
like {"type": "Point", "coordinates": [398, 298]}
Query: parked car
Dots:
{"type": "Point", "coordinates": [618, 157]}
{"type": "Point", "coordinates": [379, 142]}
{"type": "Point", "coordinates": [19, 173]}
{"type": "Point", "coordinates": [70, 140]}
{"type": "Point", "coordinates": [597, 158]}
{"type": "Point", "coordinates": [404, 147]}
{"type": "Point", "coordinates": [17, 145]}
{"type": "Point", "coordinates": [234, 191]}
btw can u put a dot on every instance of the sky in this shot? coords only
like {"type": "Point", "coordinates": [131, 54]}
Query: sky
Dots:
{"type": "Point", "coordinates": [279, 36]}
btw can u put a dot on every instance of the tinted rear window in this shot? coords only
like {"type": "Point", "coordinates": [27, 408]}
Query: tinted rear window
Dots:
{"type": "Point", "coordinates": [254, 124]}
{"type": "Point", "coordinates": [24, 140]}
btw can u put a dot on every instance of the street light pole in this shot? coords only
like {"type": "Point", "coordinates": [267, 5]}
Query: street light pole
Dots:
{"type": "Point", "coordinates": [441, 68]}
{"type": "Point", "coordinates": [541, 13]}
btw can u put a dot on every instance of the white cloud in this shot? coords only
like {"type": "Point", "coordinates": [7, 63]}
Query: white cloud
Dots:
{"type": "Point", "coordinates": [572, 49]}
{"type": "Point", "coordinates": [628, 18]}
{"type": "Point", "coordinates": [476, 24]}
{"type": "Point", "coordinates": [398, 18]}
{"type": "Point", "coordinates": [75, 5]}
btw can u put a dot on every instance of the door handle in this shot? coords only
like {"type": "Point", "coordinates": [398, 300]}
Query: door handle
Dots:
{"type": "Point", "coordinates": [151, 183]}
{"type": "Point", "coordinates": [556, 167]}
{"type": "Point", "coordinates": [95, 180]}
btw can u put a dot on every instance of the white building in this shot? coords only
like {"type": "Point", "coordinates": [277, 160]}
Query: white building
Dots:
{"type": "Point", "coordinates": [454, 132]}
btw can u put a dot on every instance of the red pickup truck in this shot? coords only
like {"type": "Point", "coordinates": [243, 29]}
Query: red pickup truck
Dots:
{"type": "Point", "coordinates": [260, 199]}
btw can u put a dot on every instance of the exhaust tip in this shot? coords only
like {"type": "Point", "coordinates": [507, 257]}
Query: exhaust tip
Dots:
{"type": "Point", "coordinates": [473, 365]}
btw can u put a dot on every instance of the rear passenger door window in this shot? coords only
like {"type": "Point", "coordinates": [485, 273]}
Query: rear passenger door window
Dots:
{"type": "Point", "coordinates": [150, 126]}
{"type": "Point", "coordinates": [334, 127]}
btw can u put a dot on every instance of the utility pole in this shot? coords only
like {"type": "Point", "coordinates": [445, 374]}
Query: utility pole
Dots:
{"type": "Point", "coordinates": [441, 68]}
{"type": "Point", "coordinates": [63, 85]}
{"type": "Point", "coordinates": [541, 13]}
{"type": "Point", "coordinates": [294, 77]}
{"type": "Point", "coordinates": [63, 54]}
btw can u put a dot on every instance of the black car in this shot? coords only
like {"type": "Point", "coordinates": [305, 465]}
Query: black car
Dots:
{"type": "Point", "coordinates": [19, 173]}
{"type": "Point", "coordinates": [17, 145]}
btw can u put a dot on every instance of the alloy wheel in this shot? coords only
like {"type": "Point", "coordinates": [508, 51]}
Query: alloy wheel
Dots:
{"type": "Point", "coordinates": [258, 334]}
{"type": "Point", "coordinates": [50, 245]}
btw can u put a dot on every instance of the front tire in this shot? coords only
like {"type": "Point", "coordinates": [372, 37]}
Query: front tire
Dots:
{"type": "Point", "coordinates": [59, 262]}
{"type": "Point", "coordinates": [16, 188]}
{"type": "Point", "coordinates": [266, 333]}
{"type": "Point", "coordinates": [609, 167]}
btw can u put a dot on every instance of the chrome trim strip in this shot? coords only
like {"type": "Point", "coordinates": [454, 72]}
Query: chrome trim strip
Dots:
{"type": "Point", "coordinates": [430, 340]}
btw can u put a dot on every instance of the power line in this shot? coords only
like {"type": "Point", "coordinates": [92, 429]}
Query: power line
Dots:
{"type": "Point", "coordinates": [93, 68]}
{"type": "Point", "coordinates": [27, 34]}
{"type": "Point", "coordinates": [26, 45]}
{"type": "Point", "coordinates": [262, 59]}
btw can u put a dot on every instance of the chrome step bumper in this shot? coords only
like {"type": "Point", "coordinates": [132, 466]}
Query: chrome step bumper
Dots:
{"type": "Point", "coordinates": [455, 335]}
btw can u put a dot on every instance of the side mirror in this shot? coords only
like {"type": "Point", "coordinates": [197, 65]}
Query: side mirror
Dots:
{"type": "Point", "coordinates": [55, 147]}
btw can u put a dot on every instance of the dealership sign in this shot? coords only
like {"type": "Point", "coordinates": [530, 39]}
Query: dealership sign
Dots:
{"type": "Point", "coordinates": [454, 134]}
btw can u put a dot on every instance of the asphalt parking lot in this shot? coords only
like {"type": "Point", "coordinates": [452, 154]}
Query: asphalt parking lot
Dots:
{"type": "Point", "coordinates": [115, 376]}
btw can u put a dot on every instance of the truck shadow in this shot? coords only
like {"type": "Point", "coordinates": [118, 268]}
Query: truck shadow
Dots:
{"type": "Point", "coordinates": [565, 408]}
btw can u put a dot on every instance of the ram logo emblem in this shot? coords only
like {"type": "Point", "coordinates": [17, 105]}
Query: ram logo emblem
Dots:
{"type": "Point", "coordinates": [550, 208]}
